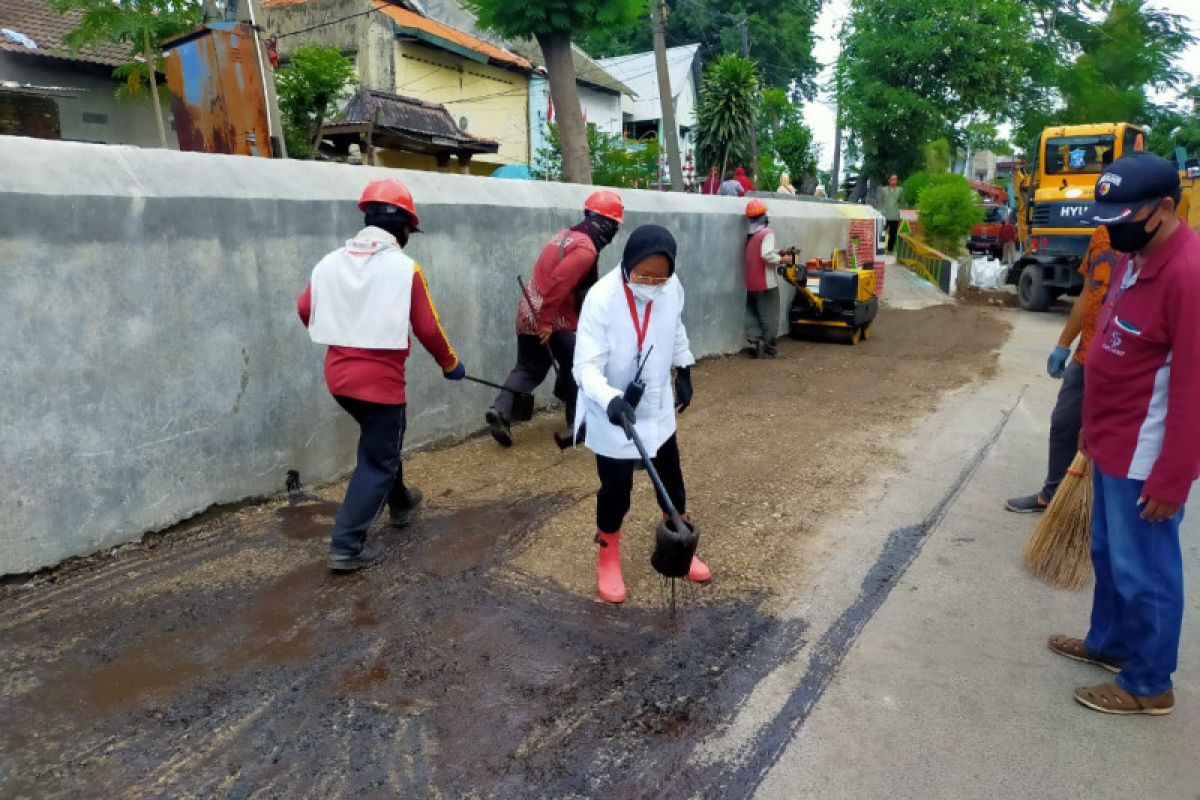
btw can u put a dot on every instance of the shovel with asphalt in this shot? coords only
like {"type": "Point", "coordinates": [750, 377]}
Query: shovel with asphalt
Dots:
{"type": "Point", "coordinates": [522, 407]}
{"type": "Point", "coordinates": [675, 540]}
{"type": "Point", "coordinates": [563, 439]}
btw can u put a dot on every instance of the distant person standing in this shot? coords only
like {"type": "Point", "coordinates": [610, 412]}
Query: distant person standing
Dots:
{"type": "Point", "coordinates": [1008, 241]}
{"type": "Point", "coordinates": [785, 184]}
{"type": "Point", "coordinates": [891, 200]}
{"type": "Point", "coordinates": [689, 174]}
{"type": "Point", "coordinates": [712, 183]}
{"type": "Point", "coordinates": [819, 191]}
{"type": "Point", "coordinates": [762, 284]}
{"type": "Point", "coordinates": [1141, 425]}
{"type": "Point", "coordinates": [730, 187]}
{"type": "Point", "coordinates": [743, 179]}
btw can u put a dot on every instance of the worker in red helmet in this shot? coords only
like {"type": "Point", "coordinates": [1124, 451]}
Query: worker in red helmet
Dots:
{"type": "Point", "coordinates": [762, 285]}
{"type": "Point", "coordinates": [547, 318]}
{"type": "Point", "coordinates": [361, 301]}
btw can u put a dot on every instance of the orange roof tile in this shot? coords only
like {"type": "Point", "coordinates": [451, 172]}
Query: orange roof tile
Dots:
{"type": "Point", "coordinates": [411, 19]}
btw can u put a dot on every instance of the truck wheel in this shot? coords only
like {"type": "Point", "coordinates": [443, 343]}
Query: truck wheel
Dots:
{"type": "Point", "coordinates": [1032, 291]}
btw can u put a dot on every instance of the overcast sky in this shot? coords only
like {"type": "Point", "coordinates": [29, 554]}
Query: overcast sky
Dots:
{"type": "Point", "coordinates": [819, 114]}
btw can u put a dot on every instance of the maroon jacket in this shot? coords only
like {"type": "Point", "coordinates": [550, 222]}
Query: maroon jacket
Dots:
{"type": "Point", "coordinates": [1142, 387]}
{"type": "Point", "coordinates": [566, 261]}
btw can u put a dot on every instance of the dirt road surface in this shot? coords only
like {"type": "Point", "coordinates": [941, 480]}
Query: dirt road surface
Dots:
{"type": "Point", "coordinates": [221, 659]}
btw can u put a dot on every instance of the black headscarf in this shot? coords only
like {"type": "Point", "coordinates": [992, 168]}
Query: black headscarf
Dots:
{"type": "Point", "coordinates": [648, 240]}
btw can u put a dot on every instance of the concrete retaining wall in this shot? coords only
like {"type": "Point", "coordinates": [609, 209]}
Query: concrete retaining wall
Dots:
{"type": "Point", "coordinates": [153, 363]}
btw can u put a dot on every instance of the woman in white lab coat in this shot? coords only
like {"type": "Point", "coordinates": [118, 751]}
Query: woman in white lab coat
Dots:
{"type": "Point", "coordinates": [633, 317]}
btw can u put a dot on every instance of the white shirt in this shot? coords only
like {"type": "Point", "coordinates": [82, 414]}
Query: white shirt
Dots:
{"type": "Point", "coordinates": [606, 357]}
{"type": "Point", "coordinates": [362, 293]}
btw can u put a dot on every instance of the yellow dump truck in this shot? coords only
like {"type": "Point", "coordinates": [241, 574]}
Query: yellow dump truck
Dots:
{"type": "Point", "coordinates": [1054, 206]}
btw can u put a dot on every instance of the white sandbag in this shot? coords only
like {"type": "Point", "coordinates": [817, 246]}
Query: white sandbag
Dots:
{"type": "Point", "coordinates": [987, 273]}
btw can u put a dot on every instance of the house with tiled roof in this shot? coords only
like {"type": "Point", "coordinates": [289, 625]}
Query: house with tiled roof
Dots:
{"type": "Point", "coordinates": [441, 72]}
{"type": "Point", "coordinates": [49, 92]}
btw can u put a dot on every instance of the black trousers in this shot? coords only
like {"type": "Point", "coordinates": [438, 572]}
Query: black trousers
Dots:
{"type": "Point", "coordinates": [533, 364]}
{"type": "Point", "coordinates": [1065, 423]}
{"type": "Point", "coordinates": [616, 483]}
{"type": "Point", "coordinates": [893, 227]}
{"type": "Point", "coordinates": [378, 476]}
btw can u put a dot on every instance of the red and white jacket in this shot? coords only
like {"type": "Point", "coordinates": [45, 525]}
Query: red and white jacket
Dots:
{"type": "Point", "coordinates": [1142, 386]}
{"type": "Point", "coordinates": [378, 376]}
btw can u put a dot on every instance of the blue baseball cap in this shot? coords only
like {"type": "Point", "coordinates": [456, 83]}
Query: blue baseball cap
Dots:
{"type": "Point", "coordinates": [1131, 183]}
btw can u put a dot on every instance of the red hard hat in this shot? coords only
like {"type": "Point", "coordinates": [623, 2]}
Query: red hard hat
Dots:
{"type": "Point", "coordinates": [392, 192]}
{"type": "Point", "coordinates": [755, 208]}
{"type": "Point", "coordinates": [606, 204]}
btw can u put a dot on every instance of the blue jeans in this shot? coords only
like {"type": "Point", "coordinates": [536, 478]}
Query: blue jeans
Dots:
{"type": "Point", "coordinates": [378, 477]}
{"type": "Point", "coordinates": [1137, 610]}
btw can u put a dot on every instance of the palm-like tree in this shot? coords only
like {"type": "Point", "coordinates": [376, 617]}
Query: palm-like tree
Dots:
{"type": "Point", "coordinates": [728, 111]}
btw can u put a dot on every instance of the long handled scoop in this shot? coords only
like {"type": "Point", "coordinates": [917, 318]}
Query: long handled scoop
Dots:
{"type": "Point", "coordinates": [675, 546]}
{"type": "Point", "coordinates": [522, 408]}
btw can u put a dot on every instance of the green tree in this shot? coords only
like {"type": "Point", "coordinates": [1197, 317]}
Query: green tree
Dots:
{"type": "Point", "coordinates": [315, 77]}
{"type": "Point", "coordinates": [615, 162]}
{"type": "Point", "coordinates": [947, 209]}
{"type": "Point", "coordinates": [727, 112]}
{"type": "Point", "coordinates": [780, 33]}
{"type": "Point", "coordinates": [552, 23]}
{"type": "Point", "coordinates": [785, 143]}
{"type": "Point", "coordinates": [141, 24]}
{"type": "Point", "coordinates": [922, 69]}
{"type": "Point", "coordinates": [1100, 70]}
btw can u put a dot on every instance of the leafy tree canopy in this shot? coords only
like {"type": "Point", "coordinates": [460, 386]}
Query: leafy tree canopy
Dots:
{"type": "Point", "coordinates": [556, 16]}
{"type": "Point", "coordinates": [307, 87]}
{"type": "Point", "coordinates": [781, 36]}
{"type": "Point", "coordinates": [915, 71]}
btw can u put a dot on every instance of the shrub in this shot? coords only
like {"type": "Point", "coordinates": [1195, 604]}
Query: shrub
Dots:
{"type": "Point", "coordinates": [947, 210]}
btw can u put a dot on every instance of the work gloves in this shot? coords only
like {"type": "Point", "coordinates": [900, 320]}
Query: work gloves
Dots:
{"type": "Point", "coordinates": [683, 388]}
{"type": "Point", "coordinates": [620, 412]}
{"type": "Point", "coordinates": [457, 374]}
{"type": "Point", "coordinates": [1056, 365]}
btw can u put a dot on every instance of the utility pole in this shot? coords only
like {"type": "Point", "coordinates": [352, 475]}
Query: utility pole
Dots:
{"type": "Point", "coordinates": [837, 122]}
{"type": "Point", "coordinates": [754, 122]}
{"type": "Point", "coordinates": [666, 98]}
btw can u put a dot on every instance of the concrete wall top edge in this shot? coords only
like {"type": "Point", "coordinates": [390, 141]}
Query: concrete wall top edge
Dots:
{"type": "Point", "coordinates": [36, 166]}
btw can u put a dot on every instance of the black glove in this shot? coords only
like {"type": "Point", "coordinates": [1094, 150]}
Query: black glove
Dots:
{"type": "Point", "coordinates": [683, 388]}
{"type": "Point", "coordinates": [619, 412]}
{"type": "Point", "coordinates": [781, 270]}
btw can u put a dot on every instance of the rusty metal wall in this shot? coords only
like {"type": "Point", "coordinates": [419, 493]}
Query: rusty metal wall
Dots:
{"type": "Point", "coordinates": [216, 92]}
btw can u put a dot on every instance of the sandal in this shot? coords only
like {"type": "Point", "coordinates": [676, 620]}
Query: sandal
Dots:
{"type": "Point", "coordinates": [1075, 650]}
{"type": "Point", "coordinates": [1109, 698]}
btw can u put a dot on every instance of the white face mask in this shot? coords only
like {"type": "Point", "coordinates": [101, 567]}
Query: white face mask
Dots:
{"type": "Point", "coordinates": [646, 293]}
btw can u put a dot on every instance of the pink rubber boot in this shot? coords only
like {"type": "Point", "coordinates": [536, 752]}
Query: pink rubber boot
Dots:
{"type": "Point", "coordinates": [609, 581]}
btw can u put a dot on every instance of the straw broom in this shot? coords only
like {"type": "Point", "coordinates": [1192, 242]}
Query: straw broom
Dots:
{"type": "Point", "coordinates": [1060, 550]}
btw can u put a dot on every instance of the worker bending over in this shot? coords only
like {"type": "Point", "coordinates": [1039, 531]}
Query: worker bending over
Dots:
{"type": "Point", "coordinates": [549, 313]}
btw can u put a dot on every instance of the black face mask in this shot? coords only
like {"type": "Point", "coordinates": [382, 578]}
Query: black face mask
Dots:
{"type": "Point", "coordinates": [1131, 237]}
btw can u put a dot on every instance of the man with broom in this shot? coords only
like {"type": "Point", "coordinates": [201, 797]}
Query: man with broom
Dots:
{"type": "Point", "coordinates": [1141, 427]}
{"type": "Point", "coordinates": [1067, 417]}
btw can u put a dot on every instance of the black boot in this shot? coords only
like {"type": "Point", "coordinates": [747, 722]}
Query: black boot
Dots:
{"type": "Point", "coordinates": [498, 426]}
{"type": "Point", "coordinates": [401, 517]}
{"type": "Point", "coordinates": [371, 554]}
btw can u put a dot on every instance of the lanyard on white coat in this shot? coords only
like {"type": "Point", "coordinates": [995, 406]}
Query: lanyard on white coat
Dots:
{"type": "Point", "coordinates": [645, 326]}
